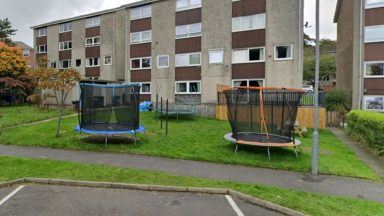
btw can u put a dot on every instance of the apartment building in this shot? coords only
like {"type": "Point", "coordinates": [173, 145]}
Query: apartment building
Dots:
{"type": "Point", "coordinates": [28, 52]}
{"type": "Point", "coordinates": [181, 48]}
{"type": "Point", "coordinates": [360, 51]}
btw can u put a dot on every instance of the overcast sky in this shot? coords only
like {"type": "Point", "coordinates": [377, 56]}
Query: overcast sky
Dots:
{"type": "Point", "coordinates": [26, 13]}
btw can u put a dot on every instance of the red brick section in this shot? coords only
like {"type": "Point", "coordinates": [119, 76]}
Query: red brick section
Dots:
{"type": "Point", "coordinates": [248, 71]}
{"type": "Point", "coordinates": [92, 71]}
{"type": "Point", "coordinates": [92, 51]}
{"type": "Point", "coordinates": [141, 25]}
{"type": "Point", "coordinates": [248, 7]}
{"type": "Point", "coordinates": [65, 54]}
{"type": "Point", "coordinates": [140, 75]}
{"type": "Point", "coordinates": [66, 36]}
{"type": "Point", "coordinates": [41, 40]}
{"type": "Point", "coordinates": [248, 39]}
{"type": "Point", "coordinates": [374, 16]}
{"type": "Point", "coordinates": [92, 32]}
{"type": "Point", "coordinates": [374, 86]}
{"type": "Point", "coordinates": [145, 97]}
{"type": "Point", "coordinates": [188, 45]}
{"type": "Point", "coordinates": [141, 50]}
{"type": "Point", "coordinates": [188, 17]}
{"type": "Point", "coordinates": [188, 73]}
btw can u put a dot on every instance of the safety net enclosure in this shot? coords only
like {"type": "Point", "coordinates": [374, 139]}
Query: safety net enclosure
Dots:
{"type": "Point", "coordinates": [109, 109]}
{"type": "Point", "coordinates": [263, 116]}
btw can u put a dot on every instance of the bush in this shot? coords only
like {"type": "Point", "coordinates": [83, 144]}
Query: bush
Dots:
{"type": "Point", "coordinates": [367, 127]}
{"type": "Point", "coordinates": [339, 101]}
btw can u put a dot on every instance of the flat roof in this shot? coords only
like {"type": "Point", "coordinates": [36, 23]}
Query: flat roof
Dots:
{"type": "Point", "coordinates": [84, 16]}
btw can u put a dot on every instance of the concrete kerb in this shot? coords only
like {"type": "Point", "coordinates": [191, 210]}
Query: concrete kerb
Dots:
{"type": "Point", "coordinates": [159, 188]}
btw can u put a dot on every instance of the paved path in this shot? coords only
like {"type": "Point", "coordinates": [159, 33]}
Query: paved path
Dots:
{"type": "Point", "coordinates": [325, 184]}
{"type": "Point", "coordinates": [374, 161]}
{"type": "Point", "coordinates": [39, 122]}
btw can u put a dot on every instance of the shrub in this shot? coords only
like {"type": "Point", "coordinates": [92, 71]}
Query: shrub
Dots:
{"type": "Point", "coordinates": [367, 127]}
{"type": "Point", "coordinates": [339, 101]}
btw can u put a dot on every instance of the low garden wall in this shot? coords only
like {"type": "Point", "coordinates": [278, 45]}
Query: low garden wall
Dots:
{"type": "Point", "coordinates": [367, 127]}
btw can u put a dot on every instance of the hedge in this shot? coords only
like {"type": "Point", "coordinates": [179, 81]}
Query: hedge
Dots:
{"type": "Point", "coordinates": [367, 127]}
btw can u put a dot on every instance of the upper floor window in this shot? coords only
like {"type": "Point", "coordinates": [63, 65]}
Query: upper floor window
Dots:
{"type": "Point", "coordinates": [107, 60]}
{"type": "Point", "coordinates": [141, 12]}
{"type": "Point", "coordinates": [41, 32]}
{"type": "Point", "coordinates": [283, 52]}
{"type": "Point", "coordinates": [141, 37]}
{"type": "Point", "coordinates": [374, 69]}
{"type": "Point", "coordinates": [187, 4]}
{"type": "Point", "coordinates": [216, 56]}
{"type": "Point", "coordinates": [374, 34]}
{"type": "Point", "coordinates": [188, 59]}
{"type": "Point", "coordinates": [162, 61]}
{"type": "Point", "coordinates": [42, 49]}
{"type": "Point", "coordinates": [65, 27]}
{"type": "Point", "coordinates": [246, 23]}
{"type": "Point", "coordinates": [92, 41]}
{"type": "Point", "coordinates": [374, 3]}
{"type": "Point", "coordinates": [92, 62]}
{"type": "Point", "coordinates": [249, 55]}
{"type": "Point", "coordinates": [92, 22]}
{"type": "Point", "coordinates": [141, 63]}
{"type": "Point", "coordinates": [66, 45]}
{"type": "Point", "coordinates": [65, 64]}
{"type": "Point", "coordinates": [193, 30]}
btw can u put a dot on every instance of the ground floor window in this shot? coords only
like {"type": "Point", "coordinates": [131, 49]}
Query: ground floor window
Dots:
{"type": "Point", "coordinates": [188, 87]}
{"type": "Point", "coordinates": [65, 64]}
{"type": "Point", "coordinates": [248, 83]}
{"type": "Point", "coordinates": [93, 62]}
{"type": "Point", "coordinates": [374, 69]}
{"type": "Point", "coordinates": [374, 103]}
{"type": "Point", "coordinates": [145, 88]}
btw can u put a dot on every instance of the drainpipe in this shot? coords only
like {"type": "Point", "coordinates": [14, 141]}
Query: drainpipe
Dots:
{"type": "Point", "coordinates": [301, 40]}
{"type": "Point", "coordinates": [361, 63]}
{"type": "Point", "coordinates": [113, 48]}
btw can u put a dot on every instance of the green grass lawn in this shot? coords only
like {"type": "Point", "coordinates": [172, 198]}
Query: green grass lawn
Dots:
{"type": "Point", "coordinates": [309, 203]}
{"type": "Point", "coordinates": [199, 140]}
{"type": "Point", "coordinates": [16, 115]}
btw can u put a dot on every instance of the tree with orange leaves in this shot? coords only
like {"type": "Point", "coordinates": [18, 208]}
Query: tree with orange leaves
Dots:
{"type": "Point", "coordinates": [61, 82]}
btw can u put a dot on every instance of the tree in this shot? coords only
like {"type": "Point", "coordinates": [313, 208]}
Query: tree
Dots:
{"type": "Point", "coordinates": [6, 31]}
{"type": "Point", "coordinates": [61, 82]}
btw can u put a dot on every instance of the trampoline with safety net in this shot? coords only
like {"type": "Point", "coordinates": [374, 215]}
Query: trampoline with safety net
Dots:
{"type": "Point", "coordinates": [263, 116]}
{"type": "Point", "coordinates": [109, 110]}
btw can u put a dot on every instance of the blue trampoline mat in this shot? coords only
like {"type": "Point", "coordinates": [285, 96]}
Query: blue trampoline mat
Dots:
{"type": "Point", "coordinates": [131, 132]}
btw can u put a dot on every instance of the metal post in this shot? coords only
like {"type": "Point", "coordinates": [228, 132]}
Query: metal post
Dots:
{"type": "Point", "coordinates": [166, 119]}
{"type": "Point", "coordinates": [315, 148]}
{"type": "Point", "coordinates": [157, 108]}
{"type": "Point", "coordinates": [161, 113]}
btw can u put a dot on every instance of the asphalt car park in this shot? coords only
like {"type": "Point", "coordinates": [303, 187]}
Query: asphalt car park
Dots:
{"type": "Point", "coordinates": [53, 200]}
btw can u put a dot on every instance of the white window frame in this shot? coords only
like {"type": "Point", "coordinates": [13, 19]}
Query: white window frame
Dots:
{"type": "Point", "coordinates": [105, 58]}
{"type": "Point", "coordinates": [370, 28]}
{"type": "Point", "coordinates": [282, 59]}
{"type": "Point", "coordinates": [95, 22]}
{"type": "Point", "coordinates": [141, 16]}
{"type": "Point", "coordinates": [189, 31]}
{"type": "Point", "coordinates": [87, 65]}
{"type": "Point", "coordinates": [64, 42]}
{"type": "Point", "coordinates": [365, 69]}
{"type": "Point", "coordinates": [93, 42]}
{"type": "Point", "coordinates": [188, 87]}
{"type": "Point", "coordinates": [141, 63]}
{"type": "Point", "coordinates": [248, 49]}
{"type": "Point", "coordinates": [141, 89]}
{"type": "Point", "coordinates": [374, 5]}
{"type": "Point", "coordinates": [61, 64]}
{"type": "Point", "coordinates": [141, 37]}
{"type": "Point", "coordinates": [247, 80]}
{"type": "Point", "coordinates": [250, 29]}
{"type": "Point", "coordinates": [216, 50]}
{"type": "Point", "coordinates": [189, 63]}
{"type": "Point", "coordinates": [62, 27]}
{"type": "Point", "coordinates": [39, 48]}
{"type": "Point", "coordinates": [188, 7]}
{"type": "Point", "coordinates": [41, 34]}
{"type": "Point", "coordinates": [365, 102]}
{"type": "Point", "coordinates": [158, 61]}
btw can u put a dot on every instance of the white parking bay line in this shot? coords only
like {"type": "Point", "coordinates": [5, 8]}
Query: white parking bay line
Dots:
{"type": "Point", "coordinates": [234, 206]}
{"type": "Point", "coordinates": [11, 195]}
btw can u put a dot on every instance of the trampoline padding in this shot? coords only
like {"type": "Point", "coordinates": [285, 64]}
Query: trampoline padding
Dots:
{"type": "Point", "coordinates": [259, 139]}
{"type": "Point", "coordinates": [98, 129]}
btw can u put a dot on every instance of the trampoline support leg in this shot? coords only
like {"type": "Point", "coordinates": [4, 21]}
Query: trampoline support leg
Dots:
{"type": "Point", "coordinates": [106, 142]}
{"type": "Point", "coordinates": [237, 147]}
{"type": "Point", "coordinates": [269, 153]}
{"type": "Point", "coordinates": [297, 155]}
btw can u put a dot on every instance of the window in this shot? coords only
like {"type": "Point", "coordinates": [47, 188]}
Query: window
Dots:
{"type": "Point", "coordinates": [42, 49]}
{"type": "Point", "coordinates": [141, 63]}
{"type": "Point", "coordinates": [374, 103]}
{"type": "Point", "coordinates": [41, 32]}
{"type": "Point", "coordinates": [64, 64]}
{"type": "Point", "coordinates": [65, 27]}
{"type": "Point", "coordinates": [189, 59]}
{"type": "Point", "coordinates": [190, 87]}
{"type": "Point", "coordinates": [216, 56]}
{"type": "Point", "coordinates": [53, 64]}
{"type": "Point", "coordinates": [374, 3]}
{"type": "Point", "coordinates": [92, 62]}
{"type": "Point", "coordinates": [67, 45]}
{"type": "Point", "coordinates": [187, 4]}
{"type": "Point", "coordinates": [92, 22]}
{"type": "Point", "coordinates": [247, 23]}
{"type": "Point", "coordinates": [78, 62]}
{"type": "Point", "coordinates": [145, 88]}
{"type": "Point", "coordinates": [141, 37]}
{"type": "Point", "coordinates": [193, 30]}
{"type": "Point", "coordinates": [248, 55]}
{"type": "Point", "coordinates": [374, 34]}
{"type": "Point", "coordinates": [93, 41]}
{"type": "Point", "coordinates": [108, 60]}
{"type": "Point", "coordinates": [162, 61]}
{"type": "Point", "coordinates": [283, 52]}
{"type": "Point", "coordinates": [141, 12]}
{"type": "Point", "coordinates": [374, 69]}
{"type": "Point", "coordinates": [248, 83]}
